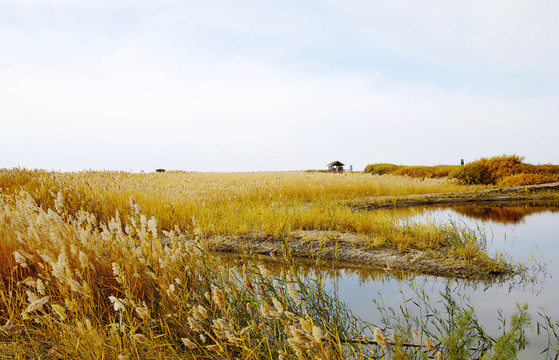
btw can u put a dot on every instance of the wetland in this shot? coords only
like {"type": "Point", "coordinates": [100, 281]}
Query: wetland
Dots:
{"type": "Point", "coordinates": [83, 262]}
{"type": "Point", "coordinates": [526, 231]}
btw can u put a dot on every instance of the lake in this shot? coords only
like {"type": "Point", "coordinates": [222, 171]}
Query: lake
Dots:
{"type": "Point", "coordinates": [527, 232]}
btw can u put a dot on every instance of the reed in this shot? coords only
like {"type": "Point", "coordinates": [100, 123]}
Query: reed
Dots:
{"type": "Point", "coordinates": [74, 286]}
{"type": "Point", "coordinates": [446, 327]}
{"type": "Point", "coordinates": [271, 204]}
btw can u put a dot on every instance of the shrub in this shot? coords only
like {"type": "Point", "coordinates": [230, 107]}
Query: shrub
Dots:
{"type": "Point", "coordinates": [540, 169]}
{"type": "Point", "coordinates": [477, 172]}
{"type": "Point", "coordinates": [505, 165]}
{"type": "Point", "coordinates": [411, 171]}
{"type": "Point", "coordinates": [504, 170]}
{"type": "Point", "coordinates": [444, 170]}
{"type": "Point", "coordinates": [424, 171]}
{"type": "Point", "coordinates": [380, 169]}
{"type": "Point", "coordinates": [527, 179]}
{"type": "Point", "coordinates": [488, 171]}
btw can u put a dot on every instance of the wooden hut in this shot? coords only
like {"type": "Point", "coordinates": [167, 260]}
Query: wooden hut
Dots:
{"type": "Point", "coordinates": [336, 166]}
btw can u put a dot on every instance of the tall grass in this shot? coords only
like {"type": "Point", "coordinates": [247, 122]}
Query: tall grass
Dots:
{"type": "Point", "coordinates": [437, 171]}
{"type": "Point", "coordinates": [84, 272]}
{"type": "Point", "coordinates": [73, 286]}
{"type": "Point", "coordinates": [270, 204]}
{"type": "Point", "coordinates": [446, 327]}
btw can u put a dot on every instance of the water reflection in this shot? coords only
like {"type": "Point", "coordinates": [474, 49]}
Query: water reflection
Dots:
{"type": "Point", "coordinates": [336, 271]}
{"type": "Point", "coordinates": [505, 212]}
{"type": "Point", "coordinates": [330, 270]}
{"type": "Point", "coordinates": [525, 231]}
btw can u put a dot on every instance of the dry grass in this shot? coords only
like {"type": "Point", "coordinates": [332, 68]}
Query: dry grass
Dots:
{"type": "Point", "coordinates": [267, 204]}
{"type": "Point", "coordinates": [83, 273]}
{"type": "Point", "coordinates": [214, 203]}
{"type": "Point", "coordinates": [75, 288]}
{"type": "Point", "coordinates": [437, 171]}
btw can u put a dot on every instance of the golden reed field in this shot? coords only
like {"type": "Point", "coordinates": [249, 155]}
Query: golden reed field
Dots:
{"type": "Point", "coordinates": [221, 203]}
{"type": "Point", "coordinates": [84, 273]}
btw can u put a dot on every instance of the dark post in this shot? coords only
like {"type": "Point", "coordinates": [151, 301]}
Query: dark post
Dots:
{"type": "Point", "coordinates": [462, 162]}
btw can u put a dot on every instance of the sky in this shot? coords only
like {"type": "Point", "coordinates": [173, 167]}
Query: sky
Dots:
{"type": "Point", "coordinates": [258, 85]}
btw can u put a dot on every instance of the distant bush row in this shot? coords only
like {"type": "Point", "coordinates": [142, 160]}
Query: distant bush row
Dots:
{"type": "Point", "coordinates": [505, 170]}
{"type": "Point", "coordinates": [438, 171]}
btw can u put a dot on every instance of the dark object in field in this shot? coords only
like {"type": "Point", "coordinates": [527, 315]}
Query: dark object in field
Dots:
{"type": "Point", "coordinates": [160, 170]}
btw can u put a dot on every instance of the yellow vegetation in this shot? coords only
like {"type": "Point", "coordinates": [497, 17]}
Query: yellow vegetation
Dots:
{"type": "Point", "coordinates": [84, 274]}
{"type": "Point", "coordinates": [221, 203]}
{"type": "Point", "coordinates": [503, 170]}
{"type": "Point", "coordinates": [72, 287]}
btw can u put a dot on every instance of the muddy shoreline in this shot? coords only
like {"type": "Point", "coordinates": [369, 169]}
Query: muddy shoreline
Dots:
{"type": "Point", "coordinates": [350, 254]}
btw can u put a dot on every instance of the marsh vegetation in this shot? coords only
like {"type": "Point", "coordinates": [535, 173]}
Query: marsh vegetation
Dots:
{"type": "Point", "coordinates": [257, 205]}
{"type": "Point", "coordinates": [504, 170]}
{"type": "Point", "coordinates": [118, 265]}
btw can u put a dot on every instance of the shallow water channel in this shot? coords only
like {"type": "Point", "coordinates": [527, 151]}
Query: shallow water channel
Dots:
{"type": "Point", "coordinates": [527, 232]}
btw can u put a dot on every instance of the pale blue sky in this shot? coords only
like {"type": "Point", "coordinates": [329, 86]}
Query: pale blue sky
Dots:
{"type": "Point", "coordinates": [266, 85]}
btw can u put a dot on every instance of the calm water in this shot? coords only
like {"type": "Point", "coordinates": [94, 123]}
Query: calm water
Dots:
{"type": "Point", "coordinates": [523, 231]}
{"type": "Point", "coordinates": [526, 232]}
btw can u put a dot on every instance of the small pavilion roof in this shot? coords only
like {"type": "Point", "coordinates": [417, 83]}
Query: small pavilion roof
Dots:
{"type": "Point", "coordinates": [336, 163]}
